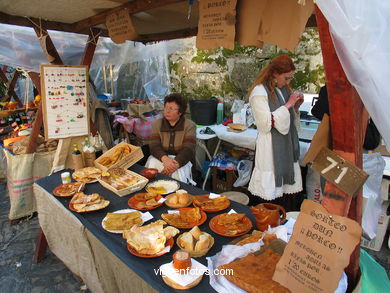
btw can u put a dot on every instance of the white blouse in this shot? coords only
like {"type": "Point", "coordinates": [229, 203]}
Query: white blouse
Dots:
{"type": "Point", "coordinates": [262, 181]}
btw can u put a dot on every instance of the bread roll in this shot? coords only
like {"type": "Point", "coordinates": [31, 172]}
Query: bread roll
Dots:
{"type": "Point", "coordinates": [187, 241]}
{"type": "Point", "coordinates": [203, 243]}
{"type": "Point", "coordinates": [183, 198]}
{"type": "Point", "coordinates": [196, 232]}
{"type": "Point", "coordinates": [174, 199]}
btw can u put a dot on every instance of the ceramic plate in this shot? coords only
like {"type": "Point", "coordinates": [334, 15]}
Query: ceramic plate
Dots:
{"type": "Point", "coordinates": [168, 185]}
{"type": "Point", "coordinates": [223, 231]}
{"type": "Point", "coordinates": [198, 203]}
{"type": "Point", "coordinates": [190, 225]}
{"type": "Point", "coordinates": [132, 202]}
{"type": "Point", "coordinates": [119, 211]}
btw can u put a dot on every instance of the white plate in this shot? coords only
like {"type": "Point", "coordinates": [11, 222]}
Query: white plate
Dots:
{"type": "Point", "coordinates": [119, 211]}
{"type": "Point", "coordinates": [169, 185]}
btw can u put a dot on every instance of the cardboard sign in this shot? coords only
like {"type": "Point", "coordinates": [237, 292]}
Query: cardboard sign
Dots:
{"type": "Point", "coordinates": [120, 27]}
{"type": "Point", "coordinates": [216, 25]}
{"type": "Point", "coordinates": [65, 100]}
{"type": "Point", "coordinates": [339, 171]}
{"type": "Point", "coordinates": [318, 251]}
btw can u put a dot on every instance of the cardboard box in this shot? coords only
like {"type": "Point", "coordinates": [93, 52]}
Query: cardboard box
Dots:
{"type": "Point", "coordinates": [223, 180]}
{"type": "Point", "coordinates": [383, 222]}
{"type": "Point", "coordinates": [135, 155]}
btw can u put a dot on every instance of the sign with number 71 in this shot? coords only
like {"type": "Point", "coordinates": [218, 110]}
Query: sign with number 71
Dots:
{"type": "Point", "coordinates": [339, 171]}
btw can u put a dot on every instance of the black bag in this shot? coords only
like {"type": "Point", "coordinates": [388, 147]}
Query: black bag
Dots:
{"type": "Point", "coordinates": [373, 137]}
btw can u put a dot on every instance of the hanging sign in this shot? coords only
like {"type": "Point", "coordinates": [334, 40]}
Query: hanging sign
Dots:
{"type": "Point", "coordinates": [65, 100]}
{"type": "Point", "coordinates": [216, 27]}
{"type": "Point", "coordinates": [318, 251]}
{"type": "Point", "coordinates": [345, 175]}
{"type": "Point", "coordinates": [120, 27]}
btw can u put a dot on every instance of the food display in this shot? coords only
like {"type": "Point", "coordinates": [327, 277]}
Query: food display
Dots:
{"type": "Point", "coordinates": [230, 225]}
{"type": "Point", "coordinates": [256, 236]}
{"type": "Point", "coordinates": [87, 175]}
{"type": "Point", "coordinates": [119, 178]}
{"type": "Point", "coordinates": [254, 273]}
{"type": "Point", "coordinates": [151, 239]}
{"type": "Point", "coordinates": [196, 242]}
{"type": "Point", "coordinates": [211, 205]}
{"type": "Point", "coordinates": [163, 186]}
{"type": "Point", "coordinates": [121, 220]}
{"type": "Point", "coordinates": [185, 217]}
{"type": "Point", "coordinates": [81, 202]}
{"type": "Point", "coordinates": [118, 154]}
{"type": "Point", "coordinates": [68, 189]}
{"type": "Point", "coordinates": [180, 199]}
{"type": "Point", "coordinates": [145, 201]}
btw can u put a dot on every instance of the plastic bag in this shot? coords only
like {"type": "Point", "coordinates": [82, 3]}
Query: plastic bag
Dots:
{"type": "Point", "coordinates": [244, 169]}
{"type": "Point", "coordinates": [374, 165]}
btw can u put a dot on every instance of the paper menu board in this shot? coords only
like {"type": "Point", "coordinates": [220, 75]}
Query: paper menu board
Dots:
{"type": "Point", "coordinates": [65, 99]}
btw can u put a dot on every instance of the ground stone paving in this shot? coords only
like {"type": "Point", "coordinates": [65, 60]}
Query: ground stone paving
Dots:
{"type": "Point", "coordinates": [19, 275]}
{"type": "Point", "coordinates": [17, 272]}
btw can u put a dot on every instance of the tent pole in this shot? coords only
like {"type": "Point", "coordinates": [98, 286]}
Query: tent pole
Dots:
{"type": "Point", "coordinates": [347, 115]}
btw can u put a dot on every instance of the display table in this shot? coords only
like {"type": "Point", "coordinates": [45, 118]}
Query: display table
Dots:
{"type": "Point", "coordinates": [101, 258]}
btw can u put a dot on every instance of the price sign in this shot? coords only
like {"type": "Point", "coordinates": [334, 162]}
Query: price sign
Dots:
{"type": "Point", "coordinates": [339, 171]}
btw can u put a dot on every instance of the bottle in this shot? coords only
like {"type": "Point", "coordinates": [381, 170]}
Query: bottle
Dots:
{"type": "Point", "coordinates": [77, 158]}
{"type": "Point", "coordinates": [219, 112]}
{"type": "Point", "coordinates": [89, 153]}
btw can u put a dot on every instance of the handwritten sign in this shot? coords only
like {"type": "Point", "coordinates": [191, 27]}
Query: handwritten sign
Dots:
{"type": "Point", "coordinates": [216, 25]}
{"type": "Point", "coordinates": [120, 27]}
{"type": "Point", "coordinates": [65, 99]}
{"type": "Point", "coordinates": [339, 171]}
{"type": "Point", "coordinates": [318, 251]}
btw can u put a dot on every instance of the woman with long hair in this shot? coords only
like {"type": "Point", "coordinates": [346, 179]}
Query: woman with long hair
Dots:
{"type": "Point", "coordinates": [277, 175]}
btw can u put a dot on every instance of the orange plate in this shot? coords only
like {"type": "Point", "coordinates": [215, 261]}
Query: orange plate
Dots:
{"type": "Point", "coordinates": [132, 202]}
{"type": "Point", "coordinates": [221, 230]}
{"type": "Point", "coordinates": [73, 209]}
{"type": "Point", "coordinates": [55, 190]}
{"type": "Point", "coordinates": [202, 219]}
{"type": "Point", "coordinates": [224, 207]}
{"type": "Point", "coordinates": [170, 242]}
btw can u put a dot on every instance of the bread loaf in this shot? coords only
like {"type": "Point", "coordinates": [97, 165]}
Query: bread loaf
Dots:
{"type": "Point", "coordinates": [196, 232]}
{"type": "Point", "coordinates": [187, 241]}
{"type": "Point", "coordinates": [183, 198]}
{"type": "Point", "coordinates": [203, 243]}
{"type": "Point", "coordinates": [174, 199]}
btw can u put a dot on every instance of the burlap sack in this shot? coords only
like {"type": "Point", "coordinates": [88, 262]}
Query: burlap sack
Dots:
{"type": "Point", "coordinates": [22, 171]}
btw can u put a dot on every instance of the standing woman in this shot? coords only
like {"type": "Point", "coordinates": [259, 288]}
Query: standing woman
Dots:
{"type": "Point", "coordinates": [173, 141]}
{"type": "Point", "coordinates": [277, 175]}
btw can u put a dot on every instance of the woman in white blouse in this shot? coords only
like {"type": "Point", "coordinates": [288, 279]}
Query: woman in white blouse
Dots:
{"type": "Point", "coordinates": [277, 175]}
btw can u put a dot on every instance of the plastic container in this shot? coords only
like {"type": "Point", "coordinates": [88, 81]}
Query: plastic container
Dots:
{"type": "Point", "coordinates": [219, 112]}
{"type": "Point", "coordinates": [203, 112]}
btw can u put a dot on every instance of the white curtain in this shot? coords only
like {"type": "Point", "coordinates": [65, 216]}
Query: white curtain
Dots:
{"type": "Point", "coordinates": [361, 34]}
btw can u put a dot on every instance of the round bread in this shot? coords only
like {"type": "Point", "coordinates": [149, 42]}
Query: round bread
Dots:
{"type": "Point", "coordinates": [183, 198]}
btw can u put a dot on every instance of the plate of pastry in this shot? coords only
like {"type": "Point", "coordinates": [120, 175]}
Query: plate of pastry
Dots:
{"type": "Point", "coordinates": [230, 225]}
{"type": "Point", "coordinates": [179, 199]}
{"type": "Point", "coordinates": [185, 218]}
{"type": "Point", "coordinates": [68, 189]}
{"type": "Point", "coordinates": [163, 186]}
{"type": "Point", "coordinates": [145, 201]}
{"type": "Point", "coordinates": [82, 202]}
{"type": "Point", "coordinates": [118, 221]}
{"type": "Point", "coordinates": [211, 204]}
{"type": "Point", "coordinates": [87, 174]}
{"type": "Point", "coordinates": [151, 240]}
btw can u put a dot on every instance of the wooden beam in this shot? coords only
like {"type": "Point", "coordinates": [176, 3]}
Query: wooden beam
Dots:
{"type": "Point", "coordinates": [11, 89]}
{"type": "Point", "coordinates": [90, 47]}
{"type": "Point", "coordinates": [186, 33]}
{"type": "Point", "coordinates": [346, 114]}
{"type": "Point", "coordinates": [133, 7]}
{"type": "Point", "coordinates": [49, 25]}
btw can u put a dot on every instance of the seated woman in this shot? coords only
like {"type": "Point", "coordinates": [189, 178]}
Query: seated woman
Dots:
{"type": "Point", "coordinates": [173, 141]}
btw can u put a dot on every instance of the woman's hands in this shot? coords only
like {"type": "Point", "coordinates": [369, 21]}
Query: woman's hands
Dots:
{"type": "Point", "coordinates": [170, 165]}
{"type": "Point", "coordinates": [295, 100]}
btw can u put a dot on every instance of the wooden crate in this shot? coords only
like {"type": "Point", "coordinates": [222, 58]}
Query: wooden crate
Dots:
{"type": "Point", "coordinates": [135, 155]}
{"type": "Point", "coordinates": [142, 181]}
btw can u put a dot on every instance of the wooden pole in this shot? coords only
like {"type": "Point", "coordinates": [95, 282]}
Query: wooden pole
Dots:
{"type": "Point", "coordinates": [347, 115]}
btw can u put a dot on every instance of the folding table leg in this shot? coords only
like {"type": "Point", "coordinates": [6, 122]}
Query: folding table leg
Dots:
{"type": "Point", "coordinates": [208, 169]}
{"type": "Point", "coordinates": [40, 247]}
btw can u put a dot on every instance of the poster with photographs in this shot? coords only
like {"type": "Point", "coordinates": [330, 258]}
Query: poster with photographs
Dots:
{"type": "Point", "coordinates": [65, 100]}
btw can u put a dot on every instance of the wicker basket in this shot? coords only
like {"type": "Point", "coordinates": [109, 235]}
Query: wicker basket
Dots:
{"type": "Point", "coordinates": [135, 155]}
{"type": "Point", "coordinates": [197, 253]}
{"type": "Point", "coordinates": [142, 181]}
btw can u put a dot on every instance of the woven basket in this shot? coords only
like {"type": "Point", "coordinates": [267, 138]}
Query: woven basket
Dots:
{"type": "Point", "coordinates": [197, 253]}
